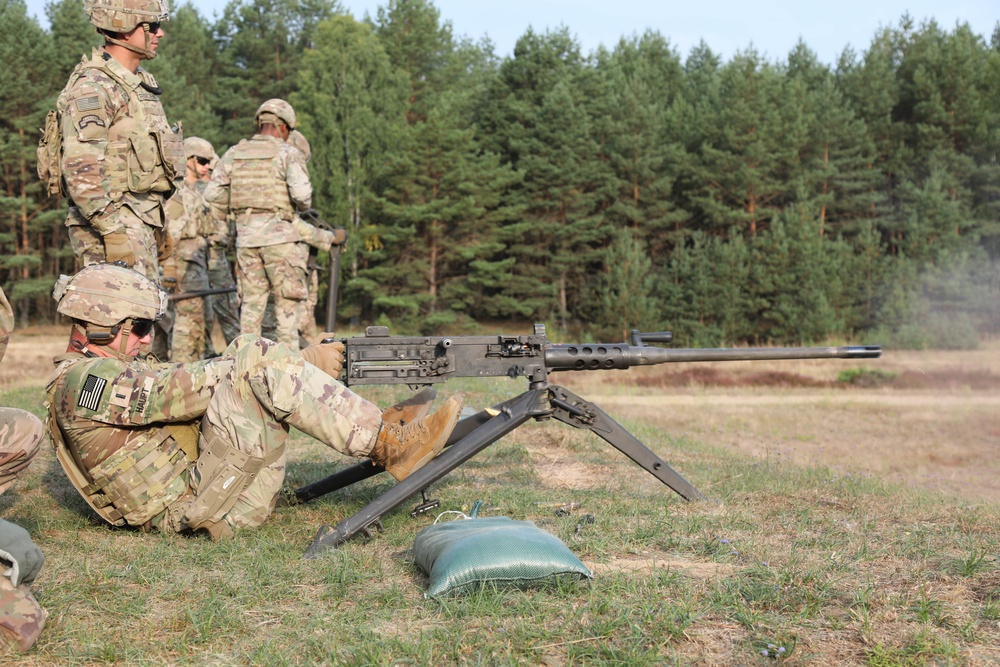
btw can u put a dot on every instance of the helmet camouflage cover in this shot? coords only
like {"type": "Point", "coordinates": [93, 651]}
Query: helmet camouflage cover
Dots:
{"type": "Point", "coordinates": [198, 147]}
{"type": "Point", "coordinates": [124, 15]}
{"type": "Point", "coordinates": [106, 294]}
{"type": "Point", "coordinates": [278, 109]}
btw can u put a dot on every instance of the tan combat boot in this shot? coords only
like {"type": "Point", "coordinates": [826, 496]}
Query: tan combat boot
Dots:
{"type": "Point", "coordinates": [402, 449]}
{"type": "Point", "coordinates": [414, 408]}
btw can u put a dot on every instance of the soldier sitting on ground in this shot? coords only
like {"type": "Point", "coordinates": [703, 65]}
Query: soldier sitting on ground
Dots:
{"type": "Point", "coordinates": [201, 446]}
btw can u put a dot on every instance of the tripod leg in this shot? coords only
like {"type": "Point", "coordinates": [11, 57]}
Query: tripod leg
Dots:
{"type": "Point", "coordinates": [517, 412]}
{"type": "Point", "coordinates": [573, 410]}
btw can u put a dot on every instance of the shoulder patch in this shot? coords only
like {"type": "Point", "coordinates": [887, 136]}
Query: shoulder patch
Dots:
{"type": "Point", "coordinates": [93, 389]}
{"type": "Point", "coordinates": [90, 119]}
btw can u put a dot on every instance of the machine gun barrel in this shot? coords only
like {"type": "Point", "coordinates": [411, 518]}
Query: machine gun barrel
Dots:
{"type": "Point", "coordinates": [599, 356]}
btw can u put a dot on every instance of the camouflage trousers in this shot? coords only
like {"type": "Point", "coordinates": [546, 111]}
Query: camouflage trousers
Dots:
{"type": "Point", "coordinates": [20, 437]}
{"type": "Point", "coordinates": [21, 618]}
{"type": "Point", "coordinates": [88, 244]}
{"type": "Point", "coordinates": [269, 389]}
{"type": "Point", "coordinates": [187, 336]}
{"type": "Point", "coordinates": [225, 307]}
{"type": "Point", "coordinates": [278, 270]}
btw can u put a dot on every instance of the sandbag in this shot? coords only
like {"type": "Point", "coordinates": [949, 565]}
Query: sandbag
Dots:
{"type": "Point", "coordinates": [460, 556]}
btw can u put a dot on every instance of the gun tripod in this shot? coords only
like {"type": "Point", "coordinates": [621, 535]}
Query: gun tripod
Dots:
{"type": "Point", "coordinates": [472, 435]}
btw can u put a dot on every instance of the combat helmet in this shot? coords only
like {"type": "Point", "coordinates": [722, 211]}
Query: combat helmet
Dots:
{"type": "Point", "coordinates": [123, 16]}
{"type": "Point", "coordinates": [276, 110]}
{"type": "Point", "coordinates": [101, 298]}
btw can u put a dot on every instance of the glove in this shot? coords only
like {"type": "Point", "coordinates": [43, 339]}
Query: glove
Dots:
{"type": "Point", "coordinates": [17, 549]}
{"type": "Point", "coordinates": [328, 357]}
{"type": "Point", "coordinates": [339, 236]}
{"type": "Point", "coordinates": [118, 247]}
{"type": "Point", "coordinates": [169, 272]}
{"type": "Point", "coordinates": [164, 244]}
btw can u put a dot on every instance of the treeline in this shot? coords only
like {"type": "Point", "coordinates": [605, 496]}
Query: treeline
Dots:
{"type": "Point", "coordinates": [739, 201]}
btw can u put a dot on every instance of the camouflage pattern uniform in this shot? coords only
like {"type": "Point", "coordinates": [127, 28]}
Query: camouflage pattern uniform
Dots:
{"type": "Point", "coordinates": [119, 160]}
{"type": "Point", "coordinates": [261, 182]}
{"type": "Point", "coordinates": [21, 617]}
{"type": "Point", "coordinates": [130, 431]}
{"type": "Point", "coordinates": [189, 225]}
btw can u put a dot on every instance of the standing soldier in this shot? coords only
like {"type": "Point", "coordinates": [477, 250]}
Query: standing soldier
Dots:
{"type": "Point", "coordinates": [261, 182]}
{"type": "Point", "coordinates": [21, 618]}
{"type": "Point", "coordinates": [186, 270]}
{"type": "Point", "coordinates": [201, 446]}
{"type": "Point", "coordinates": [119, 156]}
{"type": "Point", "coordinates": [315, 238]}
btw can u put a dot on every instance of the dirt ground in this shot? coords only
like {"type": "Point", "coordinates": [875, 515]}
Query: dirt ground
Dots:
{"type": "Point", "coordinates": [935, 424]}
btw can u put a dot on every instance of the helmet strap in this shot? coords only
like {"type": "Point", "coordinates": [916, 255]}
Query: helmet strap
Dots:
{"type": "Point", "coordinates": [145, 52]}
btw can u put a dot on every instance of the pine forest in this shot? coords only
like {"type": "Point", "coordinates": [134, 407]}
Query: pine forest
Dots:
{"type": "Point", "coordinates": [748, 201]}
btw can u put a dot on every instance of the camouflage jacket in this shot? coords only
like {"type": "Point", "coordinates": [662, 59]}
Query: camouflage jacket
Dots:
{"type": "Point", "coordinates": [268, 223]}
{"type": "Point", "coordinates": [102, 403]}
{"type": "Point", "coordinates": [117, 147]}
{"type": "Point", "coordinates": [189, 223]}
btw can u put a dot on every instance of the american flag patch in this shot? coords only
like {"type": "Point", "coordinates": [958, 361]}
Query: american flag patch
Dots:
{"type": "Point", "coordinates": [88, 104]}
{"type": "Point", "coordinates": [90, 397]}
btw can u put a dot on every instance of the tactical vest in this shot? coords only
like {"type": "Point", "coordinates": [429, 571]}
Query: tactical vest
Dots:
{"type": "Point", "coordinates": [134, 483]}
{"type": "Point", "coordinates": [143, 153]}
{"type": "Point", "coordinates": [254, 181]}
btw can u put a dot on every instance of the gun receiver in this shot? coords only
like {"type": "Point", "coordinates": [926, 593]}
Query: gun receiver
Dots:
{"type": "Point", "coordinates": [378, 358]}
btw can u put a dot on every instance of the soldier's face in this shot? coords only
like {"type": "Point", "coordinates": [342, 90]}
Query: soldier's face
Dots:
{"type": "Point", "coordinates": [138, 36]}
{"type": "Point", "coordinates": [199, 166]}
{"type": "Point", "coordinates": [135, 342]}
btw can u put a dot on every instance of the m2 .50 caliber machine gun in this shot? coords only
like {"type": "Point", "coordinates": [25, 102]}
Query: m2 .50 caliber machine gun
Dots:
{"type": "Point", "coordinates": [378, 358]}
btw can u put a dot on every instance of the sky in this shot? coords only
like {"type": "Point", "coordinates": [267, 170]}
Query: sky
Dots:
{"type": "Point", "coordinates": [773, 27]}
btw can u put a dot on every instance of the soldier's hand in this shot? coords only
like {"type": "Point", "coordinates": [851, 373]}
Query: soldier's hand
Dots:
{"type": "Point", "coordinates": [164, 244]}
{"type": "Point", "coordinates": [117, 247]}
{"type": "Point", "coordinates": [22, 558]}
{"type": "Point", "coordinates": [168, 271]}
{"type": "Point", "coordinates": [339, 236]}
{"type": "Point", "coordinates": [328, 357]}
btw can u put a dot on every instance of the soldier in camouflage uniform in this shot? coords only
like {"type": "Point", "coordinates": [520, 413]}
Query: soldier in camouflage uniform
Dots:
{"type": "Point", "coordinates": [200, 446]}
{"type": "Point", "coordinates": [119, 154]}
{"type": "Point", "coordinates": [186, 270]}
{"type": "Point", "coordinates": [314, 240]}
{"type": "Point", "coordinates": [261, 182]}
{"type": "Point", "coordinates": [21, 618]}
{"type": "Point", "coordinates": [224, 307]}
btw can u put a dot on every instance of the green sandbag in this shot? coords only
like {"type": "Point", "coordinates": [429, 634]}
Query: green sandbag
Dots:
{"type": "Point", "coordinates": [461, 555]}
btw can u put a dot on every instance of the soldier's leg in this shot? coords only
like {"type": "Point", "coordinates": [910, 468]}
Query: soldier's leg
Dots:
{"type": "Point", "coordinates": [20, 437]}
{"type": "Point", "coordinates": [269, 388]}
{"type": "Point", "coordinates": [286, 270]}
{"type": "Point", "coordinates": [86, 244]}
{"type": "Point", "coordinates": [225, 306]}
{"type": "Point", "coordinates": [188, 338]}
{"type": "Point", "coordinates": [254, 288]}
{"type": "Point", "coordinates": [21, 618]}
{"type": "Point", "coordinates": [269, 324]}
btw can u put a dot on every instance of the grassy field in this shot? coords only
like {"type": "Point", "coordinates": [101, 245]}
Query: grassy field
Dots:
{"type": "Point", "coordinates": [793, 558]}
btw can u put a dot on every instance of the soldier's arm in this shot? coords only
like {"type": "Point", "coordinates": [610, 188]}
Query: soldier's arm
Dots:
{"type": "Point", "coordinates": [137, 394]}
{"type": "Point", "coordinates": [90, 110]}
{"type": "Point", "coordinates": [216, 193]}
{"type": "Point", "coordinates": [297, 177]}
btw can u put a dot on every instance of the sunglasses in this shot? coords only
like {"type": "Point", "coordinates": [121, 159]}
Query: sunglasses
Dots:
{"type": "Point", "coordinates": [203, 161]}
{"type": "Point", "coordinates": [153, 27]}
{"type": "Point", "coordinates": [142, 328]}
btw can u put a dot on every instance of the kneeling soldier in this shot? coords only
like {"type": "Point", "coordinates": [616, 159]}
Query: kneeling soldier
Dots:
{"type": "Point", "coordinates": [185, 447]}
